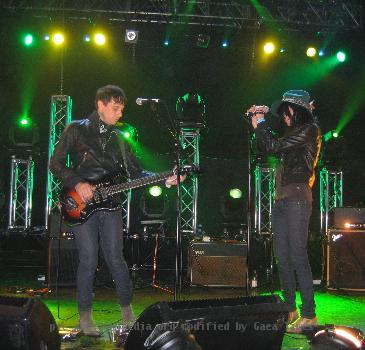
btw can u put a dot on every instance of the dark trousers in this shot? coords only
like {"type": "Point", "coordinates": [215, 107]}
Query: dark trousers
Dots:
{"type": "Point", "coordinates": [104, 227]}
{"type": "Point", "coordinates": [290, 230]}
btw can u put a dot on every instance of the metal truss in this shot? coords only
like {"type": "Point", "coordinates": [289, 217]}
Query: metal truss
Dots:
{"type": "Point", "coordinates": [61, 106]}
{"type": "Point", "coordinates": [296, 14]}
{"type": "Point", "coordinates": [126, 205]}
{"type": "Point", "coordinates": [331, 185]}
{"type": "Point", "coordinates": [190, 141]}
{"type": "Point", "coordinates": [264, 198]}
{"type": "Point", "coordinates": [21, 191]}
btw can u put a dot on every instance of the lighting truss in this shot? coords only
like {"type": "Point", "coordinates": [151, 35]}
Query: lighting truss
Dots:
{"type": "Point", "coordinates": [331, 193]}
{"type": "Point", "coordinates": [293, 14]}
{"type": "Point", "coordinates": [190, 140]}
{"type": "Point", "coordinates": [21, 191]}
{"type": "Point", "coordinates": [264, 198]}
{"type": "Point", "coordinates": [61, 106]}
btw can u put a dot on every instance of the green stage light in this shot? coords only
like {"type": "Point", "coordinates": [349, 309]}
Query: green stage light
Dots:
{"type": "Point", "coordinates": [24, 122]}
{"type": "Point", "coordinates": [28, 39]}
{"type": "Point", "coordinates": [155, 191]}
{"type": "Point", "coordinates": [335, 134]}
{"type": "Point", "coordinates": [235, 193]}
{"type": "Point", "coordinates": [127, 134]}
{"type": "Point", "coordinates": [341, 56]}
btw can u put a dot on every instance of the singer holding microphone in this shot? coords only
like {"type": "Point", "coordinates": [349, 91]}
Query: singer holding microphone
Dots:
{"type": "Point", "coordinates": [297, 151]}
{"type": "Point", "coordinates": [96, 148]}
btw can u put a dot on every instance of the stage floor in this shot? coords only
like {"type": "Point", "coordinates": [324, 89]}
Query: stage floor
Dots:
{"type": "Point", "coordinates": [20, 273]}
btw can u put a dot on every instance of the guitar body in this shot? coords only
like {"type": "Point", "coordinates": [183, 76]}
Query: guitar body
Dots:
{"type": "Point", "coordinates": [105, 197]}
{"type": "Point", "coordinates": [75, 211]}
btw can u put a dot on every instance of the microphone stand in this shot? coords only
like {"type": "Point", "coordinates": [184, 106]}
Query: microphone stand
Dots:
{"type": "Point", "coordinates": [178, 161]}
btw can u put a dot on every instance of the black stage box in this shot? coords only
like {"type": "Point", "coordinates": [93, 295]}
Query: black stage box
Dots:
{"type": "Point", "coordinates": [216, 324]}
{"type": "Point", "coordinates": [346, 259]}
{"type": "Point", "coordinates": [218, 263]}
{"type": "Point", "coordinates": [27, 324]}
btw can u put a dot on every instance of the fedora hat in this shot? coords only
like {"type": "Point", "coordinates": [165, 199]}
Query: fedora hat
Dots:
{"type": "Point", "coordinates": [297, 97]}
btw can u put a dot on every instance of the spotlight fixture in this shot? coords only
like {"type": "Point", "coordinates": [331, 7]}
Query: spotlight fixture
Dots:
{"type": "Point", "coordinates": [99, 39]}
{"type": "Point", "coordinates": [190, 110]}
{"type": "Point", "coordinates": [225, 43]}
{"type": "Point", "coordinates": [28, 39]}
{"type": "Point", "coordinates": [131, 36]}
{"type": "Point", "coordinates": [269, 48]}
{"type": "Point", "coordinates": [311, 52]}
{"type": "Point", "coordinates": [58, 39]}
{"type": "Point", "coordinates": [202, 41]}
{"type": "Point", "coordinates": [341, 56]}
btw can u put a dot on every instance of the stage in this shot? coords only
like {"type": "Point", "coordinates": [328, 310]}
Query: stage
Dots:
{"type": "Point", "coordinates": [22, 271]}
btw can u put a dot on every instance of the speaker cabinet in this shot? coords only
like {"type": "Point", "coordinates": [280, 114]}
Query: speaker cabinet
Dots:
{"type": "Point", "coordinates": [235, 323]}
{"type": "Point", "coordinates": [27, 324]}
{"type": "Point", "coordinates": [217, 263]}
{"type": "Point", "coordinates": [346, 259]}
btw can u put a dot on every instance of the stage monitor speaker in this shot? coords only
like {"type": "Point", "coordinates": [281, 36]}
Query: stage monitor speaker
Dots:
{"type": "Point", "coordinates": [346, 259]}
{"type": "Point", "coordinates": [237, 323]}
{"type": "Point", "coordinates": [342, 215]}
{"type": "Point", "coordinates": [27, 324]}
{"type": "Point", "coordinates": [217, 263]}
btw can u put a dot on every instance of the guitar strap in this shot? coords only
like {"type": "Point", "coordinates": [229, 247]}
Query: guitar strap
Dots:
{"type": "Point", "coordinates": [124, 156]}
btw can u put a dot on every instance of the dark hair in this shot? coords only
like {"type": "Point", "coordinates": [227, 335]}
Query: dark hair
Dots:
{"type": "Point", "coordinates": [301, 114]}
{"type": "Point", "coordinates": [108, 93]}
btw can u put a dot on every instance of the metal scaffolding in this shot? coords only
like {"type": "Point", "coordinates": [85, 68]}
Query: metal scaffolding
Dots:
{"type": "Point", "coordinates": [295, 14]}
{"type": "Point", "coordinates": [331, 182]}
{"type": "Point", "coordinates": [190, 141]}
{"type": "Point", "coordinates": [21, 192]}
{"type": "Point", "coordinates": [264, 198]}
{"type": "Point", "coordinates": [61, 106]}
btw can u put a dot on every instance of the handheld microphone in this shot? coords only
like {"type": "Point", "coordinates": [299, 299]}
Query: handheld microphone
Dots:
{"type": "Point", "coordinates": [141, 100]}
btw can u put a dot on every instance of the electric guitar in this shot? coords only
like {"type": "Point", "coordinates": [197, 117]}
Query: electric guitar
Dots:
{"type": "Point", "coordinates": [75, 211]}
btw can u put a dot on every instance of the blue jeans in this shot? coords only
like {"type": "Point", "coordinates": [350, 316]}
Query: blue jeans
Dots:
{"type": "Point", "coordinates": [290, 230]}
{"type": "Point", "coordinates": [104, 227]}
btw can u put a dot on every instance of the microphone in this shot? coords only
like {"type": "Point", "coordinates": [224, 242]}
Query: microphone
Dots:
{"type": "Point", "coordinates": [142, 101]}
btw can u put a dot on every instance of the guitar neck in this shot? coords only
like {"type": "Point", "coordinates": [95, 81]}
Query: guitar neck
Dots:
{"type": "Point", "coordinates": [114, 189]}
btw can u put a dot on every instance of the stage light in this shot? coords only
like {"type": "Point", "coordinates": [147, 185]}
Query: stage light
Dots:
{"type": "Point", "coordinates": [335, 134]}
{"type": "Point", "coordinates": [329, 135]}
{"type": "Point", "coordinates": [99, 39]}
{"type": "Point", "coordinates": [166, 42]}
{"type": "Point", "coordinates": [235, 193]}
{"type": "Point", "coordinates": [87, 38]}
{"type": "Point", "coordinates": [28, 39]}
{"type": "Point", "coordinates": [321, 53]}
{"type": "Point", "coordinates": [46, 37]}
{"type": "Point", "coordinates": [225, 43]}
{"type": "Point", "coordinates": [127, 134]}
{"type": "Point", "coordinates": [155, 191]}
{"type": "Point", "coordinates": [203, 41]}
{"type": "Point", "coordinates": [269, 48]}
{"type": "Point", "coordinates": [128, 131]}
{"type": "Point", "coordinates": [282, 50]}
{"type": "Point", "coordinates": [24, 122]}
{"type": "Point", "coordinates": [131, 36]}
{"type": "Point", "coordinates": [24, 133]}
{"type": "Point", "coordinates": [58, 39]}
{"type": "Point", "coordinates": [341, 56]}
{"type": "Point", "coordinates": [337, 337]}
{"type": "Point", "coordinates": [311, 52]}
{"type": "Point", "coordinates": [190, 110]}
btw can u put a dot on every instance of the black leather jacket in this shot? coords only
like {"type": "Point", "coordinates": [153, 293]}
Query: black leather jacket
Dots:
{"type": "Point", "coordinates": [95, 151]}
{"type": "Point", "coordinates": [298, 151]}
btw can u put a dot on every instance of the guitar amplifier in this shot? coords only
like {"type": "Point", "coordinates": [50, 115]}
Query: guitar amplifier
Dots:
{"type": "Point", "coordinates": [346, 260]}
{"type": "Point", "coordinates": [217, 263]}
